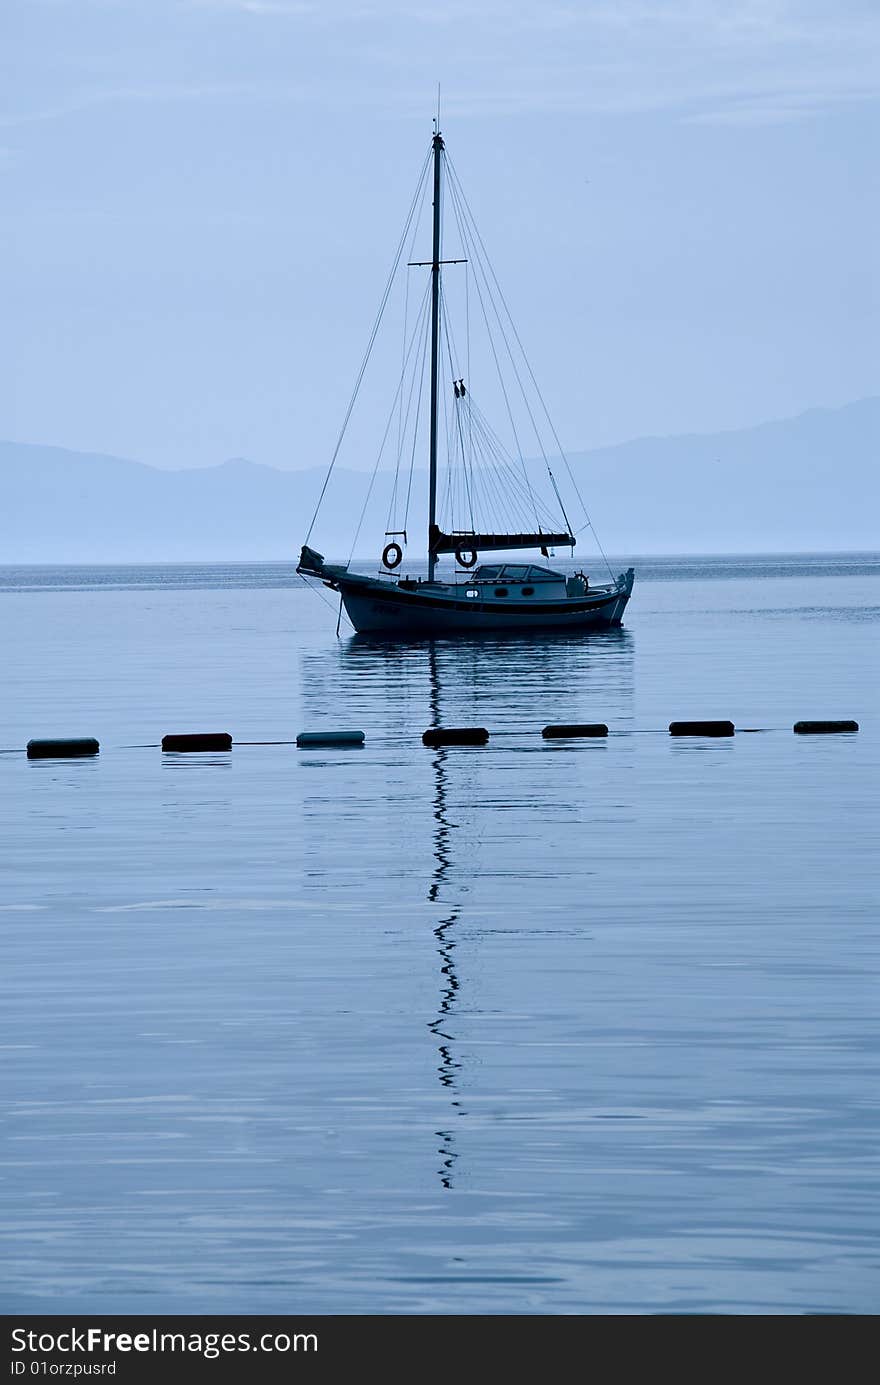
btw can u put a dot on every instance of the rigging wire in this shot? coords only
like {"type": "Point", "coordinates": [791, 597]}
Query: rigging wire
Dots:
{"type": "Point", "coordinates": [469, 475]}
{"type": "Point", "coordinates": [402, 367]}
{"type": "Point", "coordinates": [503, 459]}
{"type": "Point", "coordinates": [416, 331]}
{"type": "Point", "coordinates": [472, 251]}
{"type": "Point", "coordinates": [445, 420]}
{"type": "Point", "coordinates": [492, 447]}
{"type": "Point", "coordinates": [525, 398]}
{"type": "Point", "coordinates": [499, 483]}
{"type": "Point", "coordinates": [401, 421]}
{"type": "Point", "coordinates": [480, 267]}
{"type": "Point", "coordinates": [528, 406]}
{"type": "Point", "coordinates": [342, 613]}
{"type": "Point", "coordinates": [392, 507]}
{"type": "Point", "coordinates": [456, 410]}
{"type": "Point", "coordinates": [467, 330]}
{"type": "Point", "coordinates": [478, 261]}
{"type": "Point", "coordinates": [418, 414]}
{"type": "Point", "coordinates": [483, 480]}
{"type": "Point", "coordinates": [455, 182]}
{"type": "Point", "coordinates": [412, 241]}
{"type": "Point", "coordinates": [419, 193]}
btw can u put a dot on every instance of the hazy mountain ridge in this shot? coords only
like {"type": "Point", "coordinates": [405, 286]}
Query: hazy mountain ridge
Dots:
{"type": "Point", "coordinates": [799, 484]}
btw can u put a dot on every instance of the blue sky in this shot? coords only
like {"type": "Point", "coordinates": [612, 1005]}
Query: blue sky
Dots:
{"type": "Point", "coordinates": [202, 197]}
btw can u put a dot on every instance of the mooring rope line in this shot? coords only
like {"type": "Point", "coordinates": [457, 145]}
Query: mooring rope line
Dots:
{"type": "Point", "coordinates": [408, 737]}
{"type": "Point", "coordinates": [293, 742]}
{"type": "Point", "coordinates": [323, 598]}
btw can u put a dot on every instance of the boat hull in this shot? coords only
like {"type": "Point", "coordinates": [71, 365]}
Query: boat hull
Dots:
{"type": "Point", "coordinates": [376, 609]}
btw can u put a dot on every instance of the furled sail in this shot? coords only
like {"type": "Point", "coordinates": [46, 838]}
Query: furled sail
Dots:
{"type": "Point", "coordinates": [463, 541]}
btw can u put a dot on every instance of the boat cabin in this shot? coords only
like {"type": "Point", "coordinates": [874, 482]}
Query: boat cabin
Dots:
{"type": "Point", "coordinates": [514, 581]}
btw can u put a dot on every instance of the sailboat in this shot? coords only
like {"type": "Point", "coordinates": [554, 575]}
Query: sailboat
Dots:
{"type": "Point", "coordinates": [501, 596]}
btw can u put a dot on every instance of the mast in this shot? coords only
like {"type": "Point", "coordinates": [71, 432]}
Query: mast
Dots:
{"type": "Point", "coordinates": [435, 353]}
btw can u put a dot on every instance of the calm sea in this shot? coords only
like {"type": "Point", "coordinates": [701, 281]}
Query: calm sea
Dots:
{"type": "Point", "coordinates": [568, 1027]}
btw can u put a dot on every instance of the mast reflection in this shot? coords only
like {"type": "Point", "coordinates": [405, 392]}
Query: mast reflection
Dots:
{"type": "Point", "coordinates": [448, 1066]}
{"type": "Point", "coordinates": [525, 682]}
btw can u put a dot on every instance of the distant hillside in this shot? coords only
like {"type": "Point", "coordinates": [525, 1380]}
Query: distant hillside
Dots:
{"type": "Point", "coordinates": [803, 484]}
{"type": "Point", "coordinates": [807, 483]}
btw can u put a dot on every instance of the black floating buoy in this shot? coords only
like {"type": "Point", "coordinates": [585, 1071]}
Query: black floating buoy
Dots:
{"type": "Point", "coordinates": [62, 749]}
{"type": "Point", "coordinates": [456, 735]}
{"type": "Point", "coordinates": [210, 740]}
{"type": "Point", "coordinates": [823, 728]}
{"type": "Point", "coordinates": [701, 728]}
{"type": "Point", "coordinates": [587, 728]}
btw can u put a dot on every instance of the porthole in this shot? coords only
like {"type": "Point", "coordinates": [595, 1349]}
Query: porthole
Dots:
{"type": "Point", "coordinates": [528, 591]}
{"type": "Point", "coordinates": [500, 591]}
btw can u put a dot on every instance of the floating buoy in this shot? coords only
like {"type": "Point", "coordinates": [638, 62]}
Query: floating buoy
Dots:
{"type": "Point", "coordinates": [62, 749]}
{"type": "Point", "coordinates": [587, 728]}
{"type": "Point", "coordinates": [330, 738]}
{"type": "Point", "coordinates": [205, 740]}
{"type": "Point", "coordinates": [701, 728]}
{"type": "Point", "coordinates": [823, 728]}
{"type": "Point", "coordinates": [456, 735]}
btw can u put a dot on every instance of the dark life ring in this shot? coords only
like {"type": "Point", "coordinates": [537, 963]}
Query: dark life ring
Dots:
{"type": "Point", "coordinates": [392, 555]}
{"type": "Point", "coordinates": [466, 557]}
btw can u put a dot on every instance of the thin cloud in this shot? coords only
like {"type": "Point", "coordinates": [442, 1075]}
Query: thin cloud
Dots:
{"type": "Point", "coordinates": [710, 61]}
{"type": "Point", "coordinates": [288, 8]}
{"type": "Point", "coordinates": [737, 61]}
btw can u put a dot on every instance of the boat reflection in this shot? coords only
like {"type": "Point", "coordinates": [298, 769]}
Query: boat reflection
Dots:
{"type": "Point", "coordinates": [448, 1065]}
{"type": "Point", "coordinates": [506, 684]}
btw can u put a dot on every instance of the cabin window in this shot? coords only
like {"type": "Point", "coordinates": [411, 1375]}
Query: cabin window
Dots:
{"type": "Point", "coordinates": [528, 591]}
{"type": "Point", "coordinates": [500, 591]}
{"type": "Point", "coordinates": [472, 591]}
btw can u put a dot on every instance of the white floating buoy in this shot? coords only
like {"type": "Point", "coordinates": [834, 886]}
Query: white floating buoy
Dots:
{"type": "Point", "coordinates": [330, 738]}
